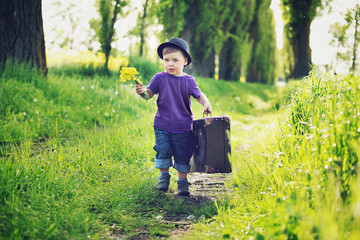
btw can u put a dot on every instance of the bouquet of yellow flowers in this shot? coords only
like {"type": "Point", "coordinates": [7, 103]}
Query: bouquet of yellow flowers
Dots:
{"type": "Point", "coordinates": [130, 74]}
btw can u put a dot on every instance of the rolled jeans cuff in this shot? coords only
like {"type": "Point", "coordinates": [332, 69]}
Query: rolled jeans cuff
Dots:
{"type": "Point", "coordinates": [182, 168]}
{"type": "Point", "coordinates": [163, 163]}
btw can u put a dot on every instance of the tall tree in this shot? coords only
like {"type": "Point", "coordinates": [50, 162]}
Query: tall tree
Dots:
{"type": "Point", "coordinates": [143, 25]}
{"type": "Point", "coordinates": [21, 33]}
{"type": "Point", "coordinates": [346, 38]}
{"type": "Point", "coordinates": [298, 15]}
{"type": "Point", "coordinates": [193, 21]}
{"type": "Point", "coordinates": [262, 66]}
{"type": "Point", "coordinates": [105, 31]}
{"type": "Point", "coordinates": [146, 18]}
{"type": "Point", "coordinates": [234, 35]}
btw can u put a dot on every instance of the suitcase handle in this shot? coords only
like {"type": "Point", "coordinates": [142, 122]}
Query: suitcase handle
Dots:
{"type": "Point", "coordinates": [207, 114]}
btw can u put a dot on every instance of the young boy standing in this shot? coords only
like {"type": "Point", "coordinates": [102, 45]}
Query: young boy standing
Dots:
{"type": "Point", "coordinates": [174, 117]}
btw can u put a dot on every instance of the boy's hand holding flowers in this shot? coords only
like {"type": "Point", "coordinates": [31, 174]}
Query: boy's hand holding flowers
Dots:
{"type": "Point", "coordinates": [130, 74]}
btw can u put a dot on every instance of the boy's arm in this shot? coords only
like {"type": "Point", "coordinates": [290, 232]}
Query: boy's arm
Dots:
{"type": "Point", "coordinates": [144, 93]}
{"type": "Point", "coordinates": [205, 102]}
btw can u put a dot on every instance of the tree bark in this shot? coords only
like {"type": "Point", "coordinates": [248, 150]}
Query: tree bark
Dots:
{"type": "Point", "coordinates": [21, 33]}
{"type": "Point", "coordinates": [302, 52]}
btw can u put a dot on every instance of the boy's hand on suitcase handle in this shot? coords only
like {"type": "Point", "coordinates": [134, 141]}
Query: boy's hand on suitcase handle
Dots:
{"type": "Point", "coordinates": [207, 109]}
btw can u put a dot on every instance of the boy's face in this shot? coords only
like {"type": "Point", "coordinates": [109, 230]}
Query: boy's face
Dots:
{"type": "Point", "coordinates": [174, 63]}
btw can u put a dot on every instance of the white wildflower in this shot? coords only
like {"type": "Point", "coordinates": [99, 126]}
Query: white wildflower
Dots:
{"type": "Point", "coordinates": [310, 136]}
{"type": "Point", "coordinates": [159, 218]}
{"type": "Point", "coordinates": [92, 87]}
{"type": "Point", "coordinates": [35, 100]}
{"type": "Point", "coordinates": [191, 218]}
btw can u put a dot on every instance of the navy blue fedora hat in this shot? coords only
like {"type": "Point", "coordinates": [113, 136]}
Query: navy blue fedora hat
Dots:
{"type": "Point", "coordinates": [178, 43]}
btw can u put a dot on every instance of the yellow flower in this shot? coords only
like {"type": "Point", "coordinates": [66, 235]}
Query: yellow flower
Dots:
{"type": "Point", "coordinates": [129, 74]}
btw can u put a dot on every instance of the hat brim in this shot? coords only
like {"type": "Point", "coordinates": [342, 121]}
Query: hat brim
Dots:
{"type": "Point", "coordinates": [163, 45]}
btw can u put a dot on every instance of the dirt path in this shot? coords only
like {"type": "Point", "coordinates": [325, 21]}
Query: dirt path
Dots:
{"type": "Point", "coordinates": [204, 189]}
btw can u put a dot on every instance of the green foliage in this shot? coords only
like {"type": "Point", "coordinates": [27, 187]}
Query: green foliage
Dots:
{"type": "Point", "coordinates": [174, 10]}
{"type": "Point", "coordinates": [235, 53]}
{"type": "Point", "coordinates": [104, 28]}
{"type": "Point", "coordinates": [263, 64]}
{"type": "Point", "coordinates": [107, 13]}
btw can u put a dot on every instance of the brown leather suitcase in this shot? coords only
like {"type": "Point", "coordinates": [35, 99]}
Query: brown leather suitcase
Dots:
{"type": "Point", "coordinates": [212, 145]}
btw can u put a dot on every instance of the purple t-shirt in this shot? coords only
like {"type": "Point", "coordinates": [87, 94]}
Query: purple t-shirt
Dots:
{"type": "Point", "coordinates": [174, 112]}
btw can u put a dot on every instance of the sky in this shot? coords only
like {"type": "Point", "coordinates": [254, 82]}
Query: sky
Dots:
{"type": "Point", "coordinates": [322, 52]}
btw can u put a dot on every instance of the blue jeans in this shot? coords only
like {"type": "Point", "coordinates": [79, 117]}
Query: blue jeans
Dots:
{"type": "Point", "coordinates": [179, 146]}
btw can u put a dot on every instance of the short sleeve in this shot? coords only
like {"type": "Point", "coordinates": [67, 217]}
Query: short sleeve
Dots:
{"type": "Point", "coordinates": [195, 90]}
{"type": "Point", "coordinates": [153, 84]}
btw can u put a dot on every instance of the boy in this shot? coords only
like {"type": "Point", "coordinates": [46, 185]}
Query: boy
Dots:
{"type": "Point", "coordinates": [173, 120]}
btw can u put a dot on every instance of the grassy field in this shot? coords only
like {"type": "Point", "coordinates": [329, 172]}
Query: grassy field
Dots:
{"type": "Point", "coordinates": [76, 158]}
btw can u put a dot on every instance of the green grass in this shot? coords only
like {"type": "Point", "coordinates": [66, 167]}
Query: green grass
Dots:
{"type": "Point", "coordinates": [296, 172]}
{"type": "Point", "coordinates": [76, 159]}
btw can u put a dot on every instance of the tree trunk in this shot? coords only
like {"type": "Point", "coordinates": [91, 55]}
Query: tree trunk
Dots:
{"type": "Point", "coordinates": [252, 73]}
{"type": "Point", "coordinates": [142, 32]}
{"type": "Point", "coordinates": [206, 67]}
{"type": "Point", "coordinates": [229, 61]}
{"type": "Point", "coordinates": [201, 49]}
{"type": "Point", "coordinates": [21, 33]}
{"type": "Point", "coordinates": [302, 52]}
{"type": "Point", "coordinates": [356, 39]}
{"type": "Point", "coordinates": [111, 34]}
